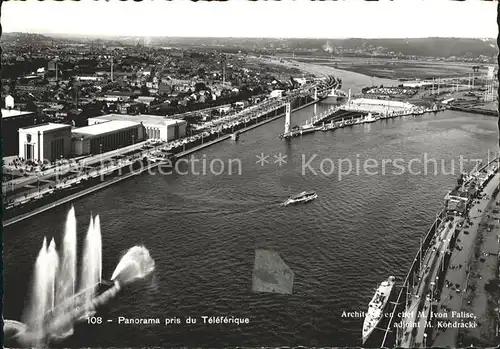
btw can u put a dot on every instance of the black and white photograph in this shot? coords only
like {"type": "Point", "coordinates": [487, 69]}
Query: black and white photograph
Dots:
{"type": "Point", "coordinates": [250, 174]}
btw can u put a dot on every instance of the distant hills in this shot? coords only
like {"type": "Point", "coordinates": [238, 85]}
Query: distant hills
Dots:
{"type": "Point", "coordinates": [436, 47]}
{"type": "Point", "coordinates": [427, 47]}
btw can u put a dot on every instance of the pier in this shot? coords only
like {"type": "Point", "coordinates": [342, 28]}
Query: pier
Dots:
{"type": "Point", "coordinates": [357, 111]}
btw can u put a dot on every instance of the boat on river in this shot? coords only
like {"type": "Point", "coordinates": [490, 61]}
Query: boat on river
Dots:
{"type": "Point", "coordinates": [302, 198]}
{"type": "Point", "coordinates": [376, 307]}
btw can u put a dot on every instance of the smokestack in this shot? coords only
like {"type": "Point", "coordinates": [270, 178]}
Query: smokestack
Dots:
{"type": "Point", "coordinates": [111, 68]}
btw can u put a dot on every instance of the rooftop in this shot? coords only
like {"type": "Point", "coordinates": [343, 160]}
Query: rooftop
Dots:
{"type": "Point", "coordinates": [380, 102]}
{"type": "Point", "coordinates": [45, 127]}
{"type": "Point", "coordinates": [145, 119]}
{"type": "Point", "coordinates": [146, 98]}
{"type": "Point", "coordinates": [120, 93]}
{"type": "Point", "coordinates": [7, 113]}
{"type": "Point", "coordinates": [103, 128]}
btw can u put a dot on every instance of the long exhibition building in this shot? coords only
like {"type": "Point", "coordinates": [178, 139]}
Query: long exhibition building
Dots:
{"type": "Point", "coordinates": [106, 136]}
{"type": "Point", "coordinates": [45, 142]}
{"type": "Point", "coordinates": [53, 141]}
{"type": "Point", "coordinates": [156, 127]}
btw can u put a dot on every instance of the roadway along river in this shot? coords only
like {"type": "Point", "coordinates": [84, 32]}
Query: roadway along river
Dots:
{"type": "Point", "coordinates": [202, 231]}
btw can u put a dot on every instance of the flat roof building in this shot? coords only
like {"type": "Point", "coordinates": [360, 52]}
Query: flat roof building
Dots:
{"type": "Point", "coordinates": [104, 128]}
{"type": "Point", "coordinates": [156, 126]}
{"type": "Point", "coordinates": [45, 142]}
{"type": "Point", "coordinates": [12, 121]}
{"type": "Point", "coordinates": [102, 137]}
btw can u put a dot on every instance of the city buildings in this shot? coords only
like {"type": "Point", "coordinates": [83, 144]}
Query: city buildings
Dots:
{"type": "Point", "coordinates": [46, 142]}
{"type": "Point", "coordinates": [106, 136]}
{"type": "Point", "coordinates": [156, 127]}
{"type": "Point", "coordinates": [12, 121]}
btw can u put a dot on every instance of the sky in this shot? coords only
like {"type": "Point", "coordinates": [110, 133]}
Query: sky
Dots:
{"type": "Point", "coordinates": [243, 18]}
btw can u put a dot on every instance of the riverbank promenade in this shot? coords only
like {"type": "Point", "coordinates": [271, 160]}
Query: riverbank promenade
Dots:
{"type": "Point", "coordinates": [434, 311]}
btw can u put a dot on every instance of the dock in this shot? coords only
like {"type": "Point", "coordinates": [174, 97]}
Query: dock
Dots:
{"type": "Point", "coordinates": [353, 113]}
{"type": "Point", "coordinates": [475, 110]}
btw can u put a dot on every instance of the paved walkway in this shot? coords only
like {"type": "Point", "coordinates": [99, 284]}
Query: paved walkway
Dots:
{"type": "Point", "coordinates": [452, 297]}
{"type": "Point", "coordinates": [484, 270]}
{"type": "Point", "coordinates": [36, 192]}
{"type": "Point", "coordinates": [62, 169]}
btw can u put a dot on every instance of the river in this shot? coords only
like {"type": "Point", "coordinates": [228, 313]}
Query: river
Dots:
{"type": "Point", "coordinates": [202, 230]}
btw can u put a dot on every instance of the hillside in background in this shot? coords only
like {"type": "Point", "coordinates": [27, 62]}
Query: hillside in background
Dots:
{"type": "Point", "coordinates": [435, 47]}
{"type": "Point", "coordinates": [426, 47]}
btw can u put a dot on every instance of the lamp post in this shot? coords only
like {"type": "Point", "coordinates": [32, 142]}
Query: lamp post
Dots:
{"type": "Point", "coordinates": [432, 289]}
{"type": "Point", "coordinates": [437, 283]}
{"type": "Point", "coordinates": [442, 260]}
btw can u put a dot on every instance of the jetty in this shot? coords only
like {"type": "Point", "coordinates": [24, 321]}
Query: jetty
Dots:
{"type": "Point", "coordinates": [355, 112]}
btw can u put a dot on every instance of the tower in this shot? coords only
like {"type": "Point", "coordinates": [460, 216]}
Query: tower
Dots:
{"type": "Point", "coordinates": [491, 76]}
{"type": "Point", "coordinates": [315, 98]}
{"type": "Point", "coordinates": [112, 68]}
{"type": "Point", "coordinates": [287, 118]}
{"type": "Point", "coordinates": [224, 70]}
{"type": "Point", "coordinates": [56, 67]}
{"type": "Point", "coordinates": [489, 93]}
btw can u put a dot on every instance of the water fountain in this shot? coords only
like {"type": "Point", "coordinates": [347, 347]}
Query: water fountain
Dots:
{"type": "Point", "coordinates": [92, 268]}
{"type": "Point", "coordinates": [52, 267]}
{"type": "Point", "coordinates": [67, 276]}
{"type": "Point", "coordinates": [135, 264]}
{"type": "Point", "coordinates": [55, 307]}
{"type": "Point", "coordinates": [40, 292]}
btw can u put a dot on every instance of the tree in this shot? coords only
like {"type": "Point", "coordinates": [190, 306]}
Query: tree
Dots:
{"type": "Point", "coordinates": [144, 90]}
{"type": "Point", "coordinates": [200, 86]}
